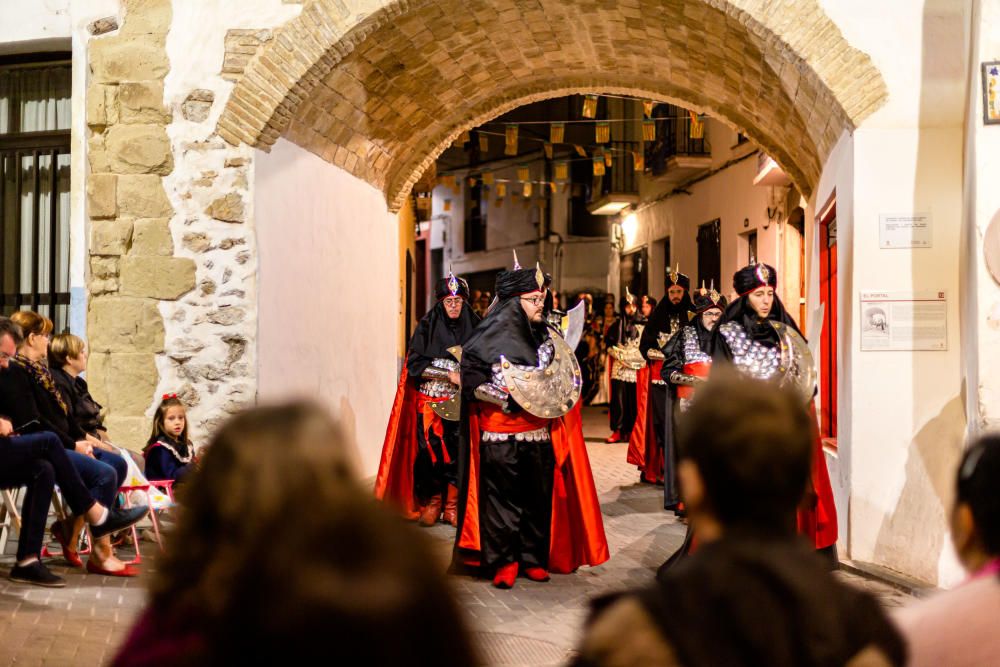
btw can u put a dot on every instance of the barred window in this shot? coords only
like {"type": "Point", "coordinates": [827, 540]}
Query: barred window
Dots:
{"type": "Point", "coordinates": [35, 113]}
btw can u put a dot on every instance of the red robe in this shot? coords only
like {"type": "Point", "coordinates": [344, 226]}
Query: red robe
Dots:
{"type": "Point", "coordinates": [576, 534]}
{"type": "Point", "coordinates": [642, 449]}
{"type": "Point", "coordinates": [394, 481]}
{"type": "Point", "coordinates": [819, 522]}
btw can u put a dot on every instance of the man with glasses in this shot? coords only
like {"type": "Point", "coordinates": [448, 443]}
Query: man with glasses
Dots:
{"type": "Point", "coordinates": [419, 455]}
{"type": "Point", "coordinates": [519, 451]}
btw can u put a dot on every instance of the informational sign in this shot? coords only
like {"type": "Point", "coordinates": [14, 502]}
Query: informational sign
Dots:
{"type": "Point", "coordinates": [904, 230]}
{"type": "Point", "coordinates": [904, 320]}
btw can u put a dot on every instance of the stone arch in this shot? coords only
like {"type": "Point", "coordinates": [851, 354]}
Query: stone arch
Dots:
{"type": "Point", "coordinates": [381, 90]}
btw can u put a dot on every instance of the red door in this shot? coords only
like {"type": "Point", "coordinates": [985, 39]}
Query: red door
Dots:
{"type": "Point", "coordinates": [828, 340]}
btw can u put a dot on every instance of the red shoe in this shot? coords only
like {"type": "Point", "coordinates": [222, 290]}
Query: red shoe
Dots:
{"type": "Point", "coordinates": [613, 438]}
{"type": "Point", "coordinates": [537, 573]}
{"type": "Point", "coordinates": [59, 534]}
{"type": "Point", "coordinates": [505, 576]}
{"type": "Point", "coordinates": [127, 571]}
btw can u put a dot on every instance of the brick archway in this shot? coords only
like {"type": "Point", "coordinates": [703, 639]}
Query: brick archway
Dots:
{"type": "Point", "coordinates": [381, 93]}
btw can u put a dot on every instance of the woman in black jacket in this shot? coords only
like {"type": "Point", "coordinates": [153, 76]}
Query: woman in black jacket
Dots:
{"type": "Point", "coordinates": [30, 398]}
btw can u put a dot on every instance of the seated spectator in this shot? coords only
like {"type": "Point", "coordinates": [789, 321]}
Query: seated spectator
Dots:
{"type": "Point", "coordinates": [67, 361]}
{"type": "Point", "coordinates": [30, 398]}
{"type": "Point", "coordinates": [754, 593]}
{"type": "Point", "coordinates": [39, 461]}
{"type": "Point", "coordinates": [169, 452]}
{"type": "Point", "coordinates": [285, 557]}
{"type": "Point", "coordinates": [959, 628]}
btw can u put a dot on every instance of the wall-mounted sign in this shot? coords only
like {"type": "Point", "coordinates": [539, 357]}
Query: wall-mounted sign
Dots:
{"type": "Point", "coordinates": [904, 230]}
{"type": "Point", "coordinates": [904, 320]}
{"type": "Point", "coordinates": [991, 93]}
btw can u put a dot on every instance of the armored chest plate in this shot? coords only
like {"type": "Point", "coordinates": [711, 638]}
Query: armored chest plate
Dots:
{"type": "Point", "coordinates": [552, 388]}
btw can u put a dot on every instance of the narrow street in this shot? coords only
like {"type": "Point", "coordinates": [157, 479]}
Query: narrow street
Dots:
{"type": "Point", "coordinates": [533, 624]}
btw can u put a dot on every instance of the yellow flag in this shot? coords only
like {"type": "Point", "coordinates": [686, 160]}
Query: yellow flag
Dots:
{"type": "Point", "coordinates": [511, 136]}
{"type": "Point", "coordinates": [638, 160]}
{"type": "Point", "coordinates": [548, 150]}
{"type": "Point", "coordinates": [649, 130]}
{"type": "Point", "coordinates": [472, 181]}
{"type": "Point", "coordinates": [697, 126]}
{"type": "Point", "coordinates": [589, 106]}
{"type": "Point", "coordinates": [447, 204]}
{"type": "Point", "coordinates": [562, 171]}
{"type": "Point", "coordinates": [527, 188]}
{"type": "Point", "coordinates": [602, 133]}
{"type": "Point", "coordinates": [523, 174]}
{"type": "Point", "coordinates": [448, 181]}
{"type": "Point", "coordinates": [579, 150]}
{"type": "Point", "coordinates": [608, 158]}
{"type": "Point", "coordinates": [647, 108]}
{"type": "Point", "coordinates": [598, 166]}
{"type": "Point", "coordinates": [557, 132]}
{"type": "Point", "coordinates": [488, 178]}
{"type": "Point", "coordinates": [501, 190]}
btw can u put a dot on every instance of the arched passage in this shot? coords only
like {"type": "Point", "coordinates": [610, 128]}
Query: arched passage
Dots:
{"type": "Point", "coordinates": [381, 91]}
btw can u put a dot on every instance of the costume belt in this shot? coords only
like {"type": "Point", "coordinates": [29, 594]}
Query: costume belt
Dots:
{"type": "Point", "coordinates": [696, 369]}
{"type": "Point", "coordinates": [496, 426]}
{"type": "Point", "coordinates": [654, 372]}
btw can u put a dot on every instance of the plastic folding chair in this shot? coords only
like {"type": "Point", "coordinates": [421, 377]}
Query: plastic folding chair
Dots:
{"type": "Point", "coordinates": [62, 514]}
{"type": "Point", "coordinates": [151, 488]}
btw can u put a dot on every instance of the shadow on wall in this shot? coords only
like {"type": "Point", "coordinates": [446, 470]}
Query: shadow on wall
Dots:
{"type": "Point", "coordinates": [911, 538]}
{"type": "Point", "coordinates": [349, 427]}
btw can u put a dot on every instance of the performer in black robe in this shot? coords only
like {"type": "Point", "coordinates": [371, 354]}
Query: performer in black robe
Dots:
{"type": "Point", "coordinates": [687, 358]}
{"type": "Point", "coordinates": [418, 469]}
{"type": "Point", "coordinates": [745, 338]}
{"type": "Point", "coordinates": [646, 443]}
{"type": "Point", "coordinates": [528, 503]}
{"type": "Point", "coordinates": [623, 338]}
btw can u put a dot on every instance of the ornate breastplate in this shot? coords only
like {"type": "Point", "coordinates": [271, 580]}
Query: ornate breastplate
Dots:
{"type": "Point", "coordinates": [759, 361]}
{"type": "Point", "coordinates": [435, 388]}
{"type": "Point", "coordinates": [692, 347]}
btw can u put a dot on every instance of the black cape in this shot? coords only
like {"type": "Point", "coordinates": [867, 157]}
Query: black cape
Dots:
{"type": "Point", "coordinates": [660, 319]}
{"type": "Point", "coordinates": [435, 333]}
{"type": "Point", "coordinates": [741, 312]}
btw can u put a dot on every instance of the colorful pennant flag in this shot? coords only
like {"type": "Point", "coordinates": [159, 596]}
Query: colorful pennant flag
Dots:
{"type": "Point", "coordinates": [523, 173]}
{"type": "Point", "coordinates": [598, 166]}
{"type": "Point", "coordinates": [697, 126]}
{"type": "Point", "coordinates": [649, 130]}
{"type": "Point", "coordinates": [638, 160]}
{"type": "Point", "coordinates": [562, 171]}
{"type": "Point", "coordinates": [511, 144]}
{"type": "Point", "coordinates": [589, 106]}
{"type": "Point", "coordinates": [557, 132]}
{"type": "Point", "coordinates": [602, 133]}
{"type": "Point", "coordinates": [647, 108]}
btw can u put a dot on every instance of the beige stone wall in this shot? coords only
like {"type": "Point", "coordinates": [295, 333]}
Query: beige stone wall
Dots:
{"type": "Point", "coordinates": [132, 267]}
{"type": "Point", "coordinates": [380, 89]}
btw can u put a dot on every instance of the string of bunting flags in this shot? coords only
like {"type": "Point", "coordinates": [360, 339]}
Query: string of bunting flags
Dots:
{"type": "Point", "coordinates": [601, 157]}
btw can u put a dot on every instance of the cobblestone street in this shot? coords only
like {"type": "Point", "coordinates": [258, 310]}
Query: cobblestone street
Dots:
{"type": "Point", "coordinates": [533, 624]}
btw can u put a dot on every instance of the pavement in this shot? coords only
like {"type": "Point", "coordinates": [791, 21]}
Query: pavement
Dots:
{"type": "Point", "coordinates": [532, 624]}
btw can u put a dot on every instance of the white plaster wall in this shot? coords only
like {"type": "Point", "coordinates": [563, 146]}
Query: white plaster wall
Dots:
{"type": "Point", "coordinates": [34, 25]}
{"type": "Point", "coordinates": [982, 209]}
{"type": "Point", "coordinates": [327, 291]}
{"type": "Point", "coordinates": [728, 195]}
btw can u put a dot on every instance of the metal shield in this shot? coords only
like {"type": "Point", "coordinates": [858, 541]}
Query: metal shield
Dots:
{"type": "Point", "coordinates": [546, 392]}
{"type": "Point", "coordinates": [796, 365]}
{"type": "Point", "coordinates": [451, 408]}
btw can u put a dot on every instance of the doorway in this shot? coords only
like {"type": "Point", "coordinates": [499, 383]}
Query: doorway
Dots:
{"type": "Point", "coordinates": [710, 254]}
{"type": "Point", "coordinates": [828, 338]}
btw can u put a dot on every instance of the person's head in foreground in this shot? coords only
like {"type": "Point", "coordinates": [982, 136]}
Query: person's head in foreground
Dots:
{"type": "Point", "coordinates": [975, 517]}
{"type": "Point", "coordinates": [959, 628]}
{"type": "Point", "coordinates": [279, 556]}
{"type": "Point", "coordinates": [752, 593]}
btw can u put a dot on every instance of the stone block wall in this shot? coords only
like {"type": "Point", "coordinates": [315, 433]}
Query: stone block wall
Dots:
{"type": "Point", "coordinates": [172, 264]}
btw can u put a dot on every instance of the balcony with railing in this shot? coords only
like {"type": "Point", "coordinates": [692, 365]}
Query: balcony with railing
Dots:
{"type": "Point", "coordinates": [677, 154]}
{"type": "Point", "coordinates": [619, 186]}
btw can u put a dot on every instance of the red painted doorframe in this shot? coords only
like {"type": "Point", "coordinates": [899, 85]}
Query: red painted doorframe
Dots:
{"type": "Point", "coordinates": [828, 339]}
